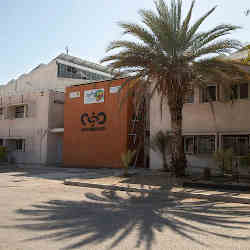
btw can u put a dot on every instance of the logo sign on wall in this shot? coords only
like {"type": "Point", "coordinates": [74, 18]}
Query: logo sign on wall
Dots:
{"type": "Point", "coordinates": [94, 121]}
{"type": "Point", "coordinates": [75, 94]}
{"type": "Point", "coordinates": [93, 96]}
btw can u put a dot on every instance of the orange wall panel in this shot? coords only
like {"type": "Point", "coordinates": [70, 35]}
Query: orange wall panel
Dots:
{"type": "Point", "coordinates": [93, 144]}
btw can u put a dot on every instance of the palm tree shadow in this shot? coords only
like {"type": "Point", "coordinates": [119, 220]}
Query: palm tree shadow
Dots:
{"type": "Point", "coordinates": [110, 216]}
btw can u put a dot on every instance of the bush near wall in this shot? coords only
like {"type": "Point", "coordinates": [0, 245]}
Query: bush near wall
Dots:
{"type": "Point", "coordinates": [3, 153]}
{"type": "Point", "coordinates": [244, 161]}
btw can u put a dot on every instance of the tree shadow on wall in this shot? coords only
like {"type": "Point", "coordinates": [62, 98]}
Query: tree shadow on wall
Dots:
{"type": "Point", "coordinates": [112, 217]}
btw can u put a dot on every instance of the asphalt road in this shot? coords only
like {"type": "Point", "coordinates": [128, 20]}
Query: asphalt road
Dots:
{"type": "Point", "coordinates": [38, 212]}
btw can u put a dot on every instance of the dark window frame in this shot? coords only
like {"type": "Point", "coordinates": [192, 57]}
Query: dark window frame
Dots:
{"type": "Point", "coordinates": [20, 145]}
{"type": "Point", "coordinates": [236, 146]}
{"type": "Point", "coordinates": [196, 146]}
{"type": "Point", "coordinates": [238, 91]}
{"type": "Point", "coordinates": [18, 111]}
{"type": "Point", "coordinates": [1, 114]}
{"type": "Point", "coordinates": [206, 97]}
{"type": "Point", "coordinates": [67, 71]}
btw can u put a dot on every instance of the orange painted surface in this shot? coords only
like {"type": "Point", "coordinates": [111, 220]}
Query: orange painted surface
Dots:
{"type": "Point", "coordinates": [95, 148]}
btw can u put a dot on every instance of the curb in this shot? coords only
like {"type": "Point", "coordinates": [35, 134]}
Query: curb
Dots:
{"type": "Point", "coordinates": [182, 194]}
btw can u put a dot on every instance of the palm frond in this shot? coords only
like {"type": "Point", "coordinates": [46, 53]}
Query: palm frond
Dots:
{"type": "Point", "coordinates": [167, 52]}
{"type": "Point", "coordinates": [186, 21]}
{"type": "Point", "coordinates": [197, 24]}
{"type": "Point", "coordinates": [138, 31]}
{"type": "Point", "coordinates": [217, 47]}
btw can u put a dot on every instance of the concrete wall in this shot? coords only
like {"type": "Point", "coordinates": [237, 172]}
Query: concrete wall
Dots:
{"type": "Point", "coordinates": [198, 119]}
{"type": "Point", "coordinates": [41, 146]}
{"type": "Point", "coordinates": [55, 120]}
{"type": "Point", "coordinates": [32, 128]}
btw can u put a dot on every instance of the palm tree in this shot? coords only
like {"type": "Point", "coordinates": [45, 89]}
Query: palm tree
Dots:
{"type": "Point", "coordinates": [168, 56]}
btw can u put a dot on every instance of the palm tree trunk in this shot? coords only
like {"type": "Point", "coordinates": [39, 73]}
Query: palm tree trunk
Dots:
{"type": "Point", "coordinates": [179, 162]}
{"type": "Point", "coordinates": [165, 164]}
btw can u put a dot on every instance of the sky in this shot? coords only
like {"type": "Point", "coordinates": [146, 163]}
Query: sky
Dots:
{"type": "Point", "coordinates": [34, 32]}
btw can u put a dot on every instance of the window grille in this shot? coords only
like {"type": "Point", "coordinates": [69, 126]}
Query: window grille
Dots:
{"type": "Point", "coordinates": [199, 144]}
{"type": "Point", "coordinates": [238, 143]}
{"type": "Point", "coordinates": [20, 111]}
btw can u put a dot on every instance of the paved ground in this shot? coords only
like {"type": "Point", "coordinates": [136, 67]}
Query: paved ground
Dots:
{"type": "Point", "coordinates": [39, 212]}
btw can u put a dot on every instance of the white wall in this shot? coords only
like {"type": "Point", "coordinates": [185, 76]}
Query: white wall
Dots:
{"type": "Point", "coordinates": [41, 78]}
{"type": "Point", "coordinates": [32, 128]}
{"type": "Point", "coordinates": [199, 120]}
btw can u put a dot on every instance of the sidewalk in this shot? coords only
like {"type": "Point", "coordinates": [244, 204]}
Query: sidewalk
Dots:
{"type": "Point", "coordinates": [149, 182]}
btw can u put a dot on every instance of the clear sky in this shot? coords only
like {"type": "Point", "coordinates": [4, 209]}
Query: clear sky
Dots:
{"type": "Point", "coordinates": [34, 32]}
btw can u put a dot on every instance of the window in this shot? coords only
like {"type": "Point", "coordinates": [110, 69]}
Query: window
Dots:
{"type": "Point", "coordinates": [20, 111]}
{"type": "Point", "coordinates": [67, 71]}
{"type": "Point", "coordinates": [206, 144]}
{"type": "Point", "coordinates": [1, 113]}
{"type": "Point", "coordinates": [199, 144]}
{"type": "Point", "coordinates": [20, 145]}
{"type": "Point", "coordinates": [243, 91]}
{"type": "Point", "coordinates": [1, 142]}
{"type": "Point", "coordinates": [189, 98]}
{"type": "Point", "coordinates": [209, 93]}
{"type": "Point", "coordinates": [238, 143]}
{"type": "Point", "coordinates": [17, 145]}
{"type": "Point", "coordinates": [240, 91]}
{"type": "Point", "coordinates": [189, 144]}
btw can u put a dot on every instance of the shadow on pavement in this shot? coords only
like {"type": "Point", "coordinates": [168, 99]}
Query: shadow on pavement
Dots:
{"type": "Point", "coordinates": [109, 216]}
{"type": "Point", "coordinates": [55, 173]}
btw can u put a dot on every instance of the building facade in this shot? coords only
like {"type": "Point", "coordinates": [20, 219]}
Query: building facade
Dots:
{"type": "Point", "coordinates": [64, 70]}
{"type": "Point", "coordinates": [27, 123]}
{"type": "Point", "coordinates": [207, 130]}
{"type": "Point", "coordinates": [32, 108]}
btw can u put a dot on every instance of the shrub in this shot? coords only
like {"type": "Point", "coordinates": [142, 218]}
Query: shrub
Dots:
{"type": "Point", "coordinates": [244, 161]}
{"type": "Point", "coordinates": [2, 153]}
{"type": "Point", "coordinates": [127, 159]}
{"type": "Point", "coordinates": [224, 159]}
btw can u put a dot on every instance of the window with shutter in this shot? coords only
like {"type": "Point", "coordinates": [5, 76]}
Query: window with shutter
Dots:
{"type": "Point", "coordinates": [1, 113]}
{"type": "Point", "coordinates": [20, 111]}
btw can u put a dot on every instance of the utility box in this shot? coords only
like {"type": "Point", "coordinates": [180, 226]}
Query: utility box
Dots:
{"type": "Point", "coordinates": [96, 125]}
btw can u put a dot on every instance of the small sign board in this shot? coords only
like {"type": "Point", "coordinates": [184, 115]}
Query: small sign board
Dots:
{"type": "Point", "coordinates": [115, 89]}
{"type": "Point", "coordinates": [93, 96]}
{"type": "Point", "coordinates": [75, 94]}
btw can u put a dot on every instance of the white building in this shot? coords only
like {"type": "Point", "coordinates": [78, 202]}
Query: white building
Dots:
{"type": "Point", "coordinates": [62, 71]}
{"type": "Point", "coordinates": [31, 108]}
